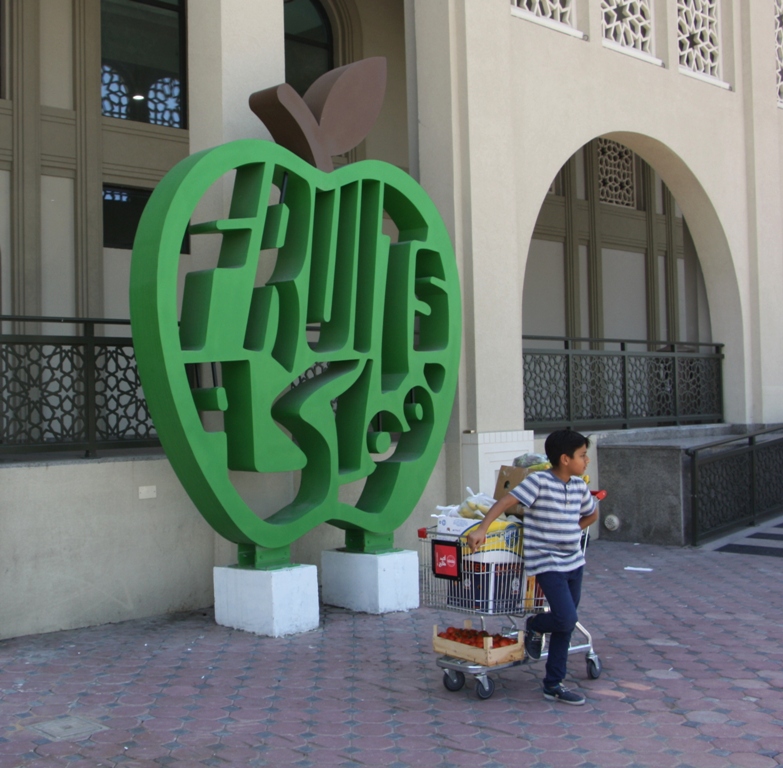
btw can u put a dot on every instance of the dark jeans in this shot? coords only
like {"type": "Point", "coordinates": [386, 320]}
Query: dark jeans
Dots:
{"type": "Point", "coordinates": [562, 591]}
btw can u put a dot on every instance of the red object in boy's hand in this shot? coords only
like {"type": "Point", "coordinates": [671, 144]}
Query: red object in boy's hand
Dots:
{"type": "Point", "coordinates": [599, 495]}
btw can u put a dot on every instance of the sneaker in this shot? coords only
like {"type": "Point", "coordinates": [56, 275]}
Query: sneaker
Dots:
{"type": "Point", "coordinates": [560, 693]}
{"type": "Point", "coordinates": [534, 643]}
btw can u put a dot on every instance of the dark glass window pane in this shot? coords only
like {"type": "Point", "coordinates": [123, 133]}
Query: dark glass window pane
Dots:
{"type": "Point", "coordinates": [308, 43]}
{"type": "Point", "coordinates": [143, 61]}
{"type": "Point", "coordinates": [122, 209]}
{"type": "Point", "coordinates": [304, 65]}
{"type": "Point", "coordinates": [305, 18]}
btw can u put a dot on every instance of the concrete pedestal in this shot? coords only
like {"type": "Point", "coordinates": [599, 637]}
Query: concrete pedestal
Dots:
{"type": "Point", "coordinates": [277, 602]}
{"type": "Point", "coordinates": [370, 583]}
{"type": "Point", "coordinates": [648, 475]}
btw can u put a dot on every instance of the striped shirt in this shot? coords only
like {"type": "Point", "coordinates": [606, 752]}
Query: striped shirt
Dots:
{"type": "Point", "coordinates": [552, 532]}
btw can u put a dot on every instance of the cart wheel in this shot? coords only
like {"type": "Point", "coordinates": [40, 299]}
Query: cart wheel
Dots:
{"type": "Point", "coordinates": [594, 667]}
{"type": "Point", "coordinates": [453, 680]}
{"type": "Point", "coordinates": [482, 691]}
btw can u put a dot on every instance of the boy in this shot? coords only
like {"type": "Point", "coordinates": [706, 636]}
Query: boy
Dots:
{"type": "Point", "coordinates": [559, 506]}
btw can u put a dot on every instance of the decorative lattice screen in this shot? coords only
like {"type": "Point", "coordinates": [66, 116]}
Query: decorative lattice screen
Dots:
{"type": "Point", "coordinates": [628, 23]}
{"type": "Point", "coordinates": [779, 45]}
{"type": "Point", "coordinates": [697, 36]}
{"type": "Point", "coordinates": [557, 10]}
{"type": "Point", "coordinates": [616, 174]}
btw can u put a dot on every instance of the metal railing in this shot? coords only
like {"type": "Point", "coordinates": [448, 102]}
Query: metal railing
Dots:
{"type": "Point", "coordinates": [735, 481]}
{"type": "Point", "coordinates": [620, 383]}
{"type": "Point", "coordinates": [70, 392]}
{"type": "Point", "coordinates": [82, 392]}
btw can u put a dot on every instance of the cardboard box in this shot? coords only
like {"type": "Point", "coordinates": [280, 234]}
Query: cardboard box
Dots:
{"type": "Point", "coordinates": [486, 656]}
{"type": "Point", "coordinates": [454, 526]}
{"type": "Point", "coordinates": [508, 479]}
{"type": "Point", "coordinates": [459, 526]}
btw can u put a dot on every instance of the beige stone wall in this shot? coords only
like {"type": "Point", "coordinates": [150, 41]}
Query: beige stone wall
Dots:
{"type": "Point", "coordinates": [383, 34]}
{"type": "Point", "coordinates": [503, 102]}
{"type": "Point", "coordinates": [79, 546]}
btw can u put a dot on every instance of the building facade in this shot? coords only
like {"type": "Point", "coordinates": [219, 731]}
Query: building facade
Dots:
{"type": "Point", "coordinates": [608, 169]}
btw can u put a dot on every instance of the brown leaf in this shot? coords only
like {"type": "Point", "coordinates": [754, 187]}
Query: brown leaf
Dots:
{"type": "Point", "coordinates": [337, 112]}
{"type": "Point", "coordinates": [346, 102]}
{"type": "Point", "coordinates": [291, 123]}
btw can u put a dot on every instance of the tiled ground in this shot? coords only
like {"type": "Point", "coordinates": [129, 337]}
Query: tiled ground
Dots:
{"type": "Point", "coordinates": [766, 539]}
{"type": "Point", "coordinates": [693, 676]}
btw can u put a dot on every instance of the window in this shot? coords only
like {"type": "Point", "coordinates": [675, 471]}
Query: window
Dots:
{"type": "Point", "coordinates": [628, 23]}
{"type": "Point", "coordinates": [556, 10]}
{"type": "Point", "coordinates": [616, 174]}
{"type": "Point", "coordinates": [309, 50]}
{"type": "Point", "coordinates": [122, 209]}
{"type": "Point", "coordinates": [114, 94]}
{"type": "Point", "coordinates": [143, 61]}
{"type": "Point", "coordinates": [697, 36]}
{"type": "Point", "coordinates": [617, 262]}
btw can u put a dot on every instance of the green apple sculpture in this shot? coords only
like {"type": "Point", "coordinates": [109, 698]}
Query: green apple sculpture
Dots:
{"type": "Point", "coordinates": [342, 365]}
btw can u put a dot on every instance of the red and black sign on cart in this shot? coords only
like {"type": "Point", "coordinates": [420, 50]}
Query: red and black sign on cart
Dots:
{"type": "Point", "coordinates": [446, 558]}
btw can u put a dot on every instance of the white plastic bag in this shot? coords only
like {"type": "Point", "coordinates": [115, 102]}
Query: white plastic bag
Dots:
{"type": "Point", "coordinates": [449, 511]}
{"type": "Point", "coordinates": [476, 505]}
{"type": "Point", "coordinates": [532, 461]}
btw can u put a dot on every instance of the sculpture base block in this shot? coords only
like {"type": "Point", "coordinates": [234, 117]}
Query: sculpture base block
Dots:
{"type": "Point", "coordinates": [370, 583]}
{"type": "Point", "coordinates": [278, 602]}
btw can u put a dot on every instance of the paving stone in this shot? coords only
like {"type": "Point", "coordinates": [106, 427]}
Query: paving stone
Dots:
{"type": "Point", "coordinates": [751, 760]}
{"type": "Point", "coordinates": [691, 677]}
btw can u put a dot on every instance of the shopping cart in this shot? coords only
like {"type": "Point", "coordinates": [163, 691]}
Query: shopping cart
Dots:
{"type": "Point", "coordinates": [488, 583]}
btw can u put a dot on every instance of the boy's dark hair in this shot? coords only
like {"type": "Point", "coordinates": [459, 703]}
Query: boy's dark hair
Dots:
{"type": "Point", "coordinates": [564, 441]}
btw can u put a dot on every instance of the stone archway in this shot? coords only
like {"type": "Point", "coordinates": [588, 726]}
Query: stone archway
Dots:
{"type": "Point", "coordinates": [630, 282]}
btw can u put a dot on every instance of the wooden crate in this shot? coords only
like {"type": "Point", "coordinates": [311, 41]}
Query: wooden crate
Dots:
{"type": "Point", "coordinates": [486, 656]}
